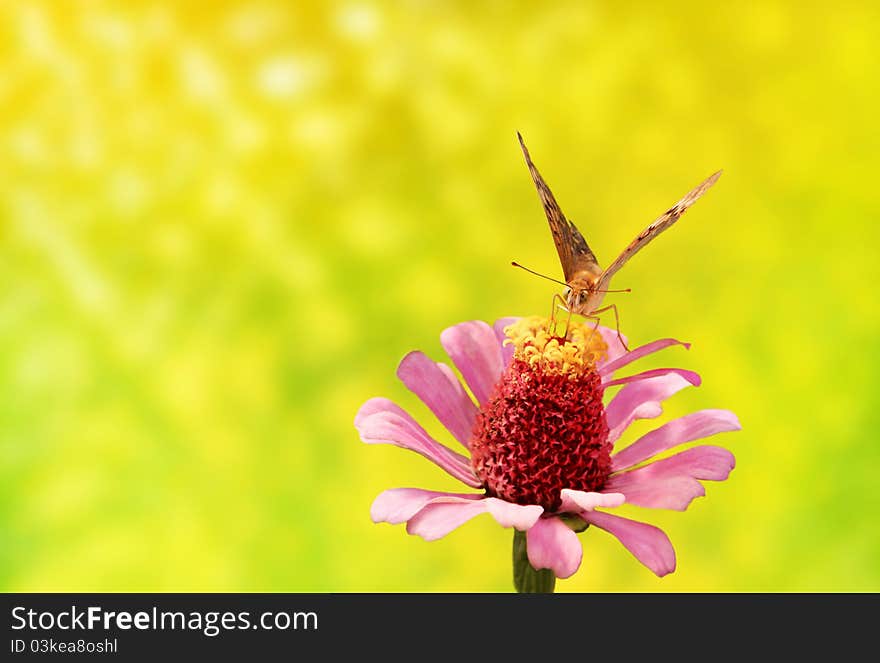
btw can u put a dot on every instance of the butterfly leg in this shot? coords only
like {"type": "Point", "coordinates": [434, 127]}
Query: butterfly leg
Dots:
{"type": "Point", "coordinates": [613, 307]}
{"type": "Point", "coordinates": [552, 316]}
{"type": "Point", "coordinates": [567, 324]}
{"type": "Point", "coordinates": [595, 327]}
{"type": "Point", "coordinates": [551, 327]}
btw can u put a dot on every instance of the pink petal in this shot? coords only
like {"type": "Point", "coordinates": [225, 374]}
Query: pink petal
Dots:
{"type": "Point", "coordinates": [475, 351]}
{"type": "Point", "coordinates": [506, 350]}
{"type": "Point", "coordinates": [690, 376]}
{"type": "Point", "coordinates": [615, 347]}
{"type": "Point", "coordinates": [370, 408]}
{"type": "Point", "coordinates": [706, 462]}
{"type": "Point", "coordinates": [508, 514]}
{"type": "Point", "coordinates": [575, 501]}
{"type": "Point", "coordinates": [643, 351]}
{"type": "Point", "coordinates": [398, 505]}
{"type": "Point", "coordinates": [438, 388]}
{"type": "Point", "coordinates": [688, 428]}
{"type": "Point", "coordinates": [439, 518]}
{"type": "Point", "coordinates": [379, 421]}
{"type": "Point", "coordinates": [641, 400]}
{"type": "Point", "coordinates": [647, 543]}
{"type": "Point", "coordinates": [551, 544]}
{"type": "Point", "coordinates": [445, 513]}
{"type": "Point", "coordinates": [675, 493]}
{"type": "Point", "coordinates": [672, 483]}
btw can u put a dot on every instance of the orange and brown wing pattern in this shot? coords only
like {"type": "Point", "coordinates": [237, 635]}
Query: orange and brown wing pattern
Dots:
{"type": "Point", "coordinates": [574, 253]}
{"type": "Point", "coordinates": [663, 222]}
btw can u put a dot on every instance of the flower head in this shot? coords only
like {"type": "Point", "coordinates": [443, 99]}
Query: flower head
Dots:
{"type": "Point", "coordinates": [543, 429]}
{"type": "Point", "coordinates": [540, 439]}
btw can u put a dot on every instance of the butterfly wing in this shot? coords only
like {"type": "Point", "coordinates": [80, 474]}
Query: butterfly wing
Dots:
{"type": "Point", "coordinates": [574, 254]}
{"type": "Point", "coordinates": [658, 226]}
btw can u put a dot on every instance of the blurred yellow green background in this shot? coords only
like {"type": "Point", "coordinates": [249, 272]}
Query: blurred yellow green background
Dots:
{"type": "Point", "coordinates": [222, 224]}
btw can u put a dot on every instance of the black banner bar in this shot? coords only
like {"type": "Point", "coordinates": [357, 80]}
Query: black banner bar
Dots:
{"type": "Point", "coordinates": [407, 626]}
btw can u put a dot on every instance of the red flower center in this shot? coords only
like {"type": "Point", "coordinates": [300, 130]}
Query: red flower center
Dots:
{"type": "Point", "coordinates": [544, 428]}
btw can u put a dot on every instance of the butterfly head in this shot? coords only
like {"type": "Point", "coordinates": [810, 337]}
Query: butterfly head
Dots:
{"type": "Point", "coordinates": [583, 295]}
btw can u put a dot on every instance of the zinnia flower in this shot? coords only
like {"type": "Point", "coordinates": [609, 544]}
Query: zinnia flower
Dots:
{"type": "Point", "coordinates": [540, 441]}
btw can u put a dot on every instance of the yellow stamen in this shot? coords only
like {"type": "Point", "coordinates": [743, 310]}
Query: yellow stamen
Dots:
{"type": "Point", "coordinates": [533, 343]}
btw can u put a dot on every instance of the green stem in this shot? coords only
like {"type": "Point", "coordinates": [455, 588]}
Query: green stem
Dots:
{"type": "Point", "coordinates": [526, 578]}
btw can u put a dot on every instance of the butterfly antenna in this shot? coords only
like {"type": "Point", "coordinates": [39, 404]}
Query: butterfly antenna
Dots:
{"type": "Point", "coordinates": [622, 290]}
{"type": "Point", "coordinates": [543, 276]}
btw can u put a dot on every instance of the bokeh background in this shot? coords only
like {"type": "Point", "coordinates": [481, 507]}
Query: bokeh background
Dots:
{"type": "Point", "coordinates": [223, 223]}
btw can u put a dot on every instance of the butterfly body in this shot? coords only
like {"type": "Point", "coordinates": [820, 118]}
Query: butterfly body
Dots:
{"type": "Point", "coordinates": [587, 282]}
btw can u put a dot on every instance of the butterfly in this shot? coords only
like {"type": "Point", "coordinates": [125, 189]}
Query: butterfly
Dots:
{"type": "Point", "coordinates": [586, 282]}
